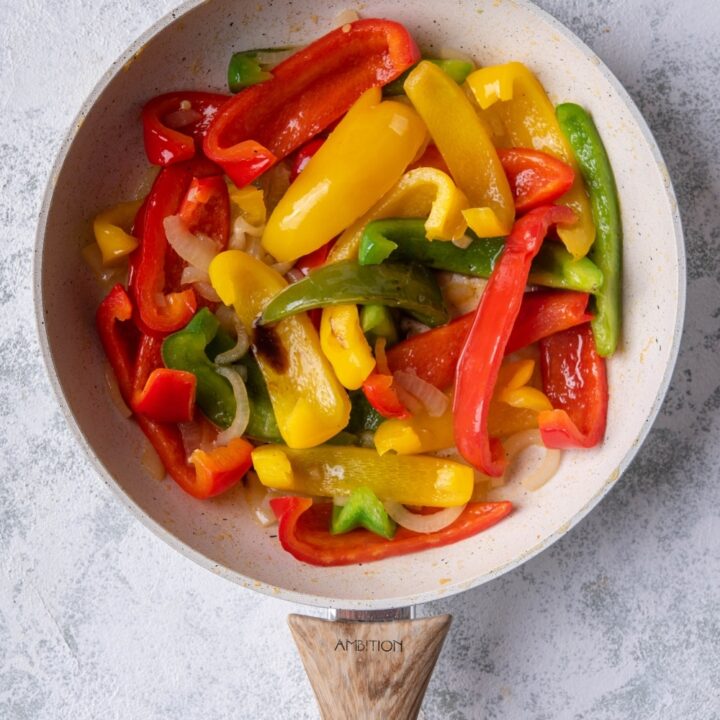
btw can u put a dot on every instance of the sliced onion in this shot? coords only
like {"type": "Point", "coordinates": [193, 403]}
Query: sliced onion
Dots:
{"type": "Point", "coordinates": [544, 470]}
{"type": "Point", "coordinates": [207, 291]}
{"type": "Point", "coordinates": [434, 400]}
{"type": "Point", "coordinates": [196, 250]}
{"type": "Point", "coordinates": [242, 407]}
{"type": "Point", "coordinates": [282, 267]}
{"type": "Point", "coordinates": [240, 230]}
{"type": "Point", "coordinates": [462, 242]}
{"type": "Point", "coordinates": [191, 274]}
{"type": "Point", "coordinates": [226, 315]}
{"type": "Point", "coordinates": [461, 293]}
{"type": "Point", "coordinates": [408, 400]}
{"type": "Point", "coordinates": [258, 499]}
{"type": "Point", "coordinates": [152, 463]}
{"type": "Point", "coordinates": [241, 346]}
{"type": "Point", "coordinates": [294, 275]}
{"type": "Point", "coordinates": [423, 523]}
{"type": "Point", "coordinates": [114, 392]}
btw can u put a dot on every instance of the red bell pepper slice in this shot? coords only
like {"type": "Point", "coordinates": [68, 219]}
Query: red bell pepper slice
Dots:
{"type": "Point", "coordinates": [115, 310]}
{"type": "Point", "coordinates": [431, 158]}
{"type": "Point", "coordinates": [575, 381]}
{"type": "Point", "coordinates": [170, 133]}
{"type": "Point", "coordinates": [303, 530]}
{"type": "Point", "coordinates": [154, 264]}
{"type": "Point", "coordinates": [314, 87]}
{"type": "Point", "coordinates": [222, 467]}
{"type": "Point", "coordinates": [317, 258]}
{"type": "Point", "coordinates": [168, 396]}
{"type": "Point", "coordinates": [206, 209]}
{"type": "Point", "coordinates": [482, 354]}
{"type": "Point", "coordinates": [535, 177]}
{"type": "Point", "coordinates": [433, 355]}
{"type": "Point", "coordinates": [381, 394]}
{"type": "Point", "coordinates": [303, 155]}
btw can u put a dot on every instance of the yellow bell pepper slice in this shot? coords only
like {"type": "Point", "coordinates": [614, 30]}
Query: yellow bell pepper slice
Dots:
{"type": "Point", "coordinates": [310, 404]}
{"type": "Point", "coordinates": [518, 108]}
{"type": "Point", "coordinates": [359, 162]}
{"type": "Point", "coordinates": [419, 433]}
{"type": "Point", "coordinates": [465, 146]}
{"type": "Point", "coordinates": [516, 403]}
{"type": "Point", "coordinates": [249, 202]}
{"type": "Point", "coordinates": [421, 192]}
{"type": "Point", "coordinates": [344, 344]}
{"type": "Point", "coordinates": [333, 471]}
{"type": "Point", "coordinates": [112, 231]}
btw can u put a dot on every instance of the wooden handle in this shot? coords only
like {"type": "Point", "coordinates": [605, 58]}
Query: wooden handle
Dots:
{"type": "Point", "coordinates": [369, 670]}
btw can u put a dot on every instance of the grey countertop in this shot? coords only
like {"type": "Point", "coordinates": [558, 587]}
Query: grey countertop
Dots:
{"type": "Point", "coordinates": [619, 619]}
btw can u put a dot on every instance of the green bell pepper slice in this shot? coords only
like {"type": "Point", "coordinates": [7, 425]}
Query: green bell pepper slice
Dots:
{"type": "Point", "coordinates": [188, 350]}
{"type": "Point", "coordinates": [377, 321]}
{"type": "Point", "coordinates": [458, 70]}
{"type": "Point", "coordinates": [409, 287]}
{"type": "Point", "coordinates": [403, 240]}
{"type": "Point", "coordinates": [363, 509]}
{"type": "Point", "coordinates": [587, 146]}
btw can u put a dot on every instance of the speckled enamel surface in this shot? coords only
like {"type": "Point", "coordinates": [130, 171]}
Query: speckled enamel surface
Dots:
{"type": "Point", "coordinates": [97, 616]}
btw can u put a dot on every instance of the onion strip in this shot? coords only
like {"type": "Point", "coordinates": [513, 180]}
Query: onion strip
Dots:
{"type": "Point", "coordinates": [544, 470]}
{"type": "Point", "coordinates": [241, 346]}
{"type": "Point", "coordinates": [242, 407]}
{"type": "Point", "coordinates": [434, 400]}
{"type": "Point", "coordinates": [423, 523]}
{"type": "Point", "coordinates": [196, 250]}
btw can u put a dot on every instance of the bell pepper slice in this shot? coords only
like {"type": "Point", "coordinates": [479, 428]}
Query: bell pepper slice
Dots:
{"type": "Point", "coordinates": [364, 156]}
{"type": "Point", "coordinates": [173, 123]}
{"type": "Point", "coordinates": [302, 157]}
{"type": "Point", "coordinates": [249, 202]}
{"type": "Point", "coordinates": [245, 69]}
{"type": "Point", "coordinates": [310, 404]}
{"type": "Point", "coordinates": [590, 153]}
{"type": "Point", "coordinates": [344, 345]}
{"type": "Point", "coordinates": [112, 231]}
{"type": "Point", "coordinates": [482, 354]}
{"type": "Point", "coordinates": [455, 68]}
{"type": "Point", "coordinates": [513, 100]}
{"type": "Point", "coordinates": [158, 311]}
{"type": "Point", "coordinates": [117, 308]}
{"type": "Point", "coordinates": [377, 321]}
{"type": "Point", "coordinates": [362, 509]}
{"type": "Point", "coordinates": [222, 467]}
{"type": "Point", "coordinates": [465, 146]}
{"type": "Point", "coordinates": [382, 396]}
{"type": "Point", "coordinates": [535, 177]}
{"type": "Point", "coordinates": [168, 396]}
{"type": "Point", "coordinates": [311, 89]}
{"type": "Point", "coordinates": [419, 433]}
{"type": "Point", "coordinates": [403, 240]}
{"type": "Point", "coordinates": [575, 381]}
{"type": "Point", "coordinates": [337, 471]}
{"type": "Point", "coordinates": [409, 287]}
{"type": "Point", "coordinates": [303, 532]}
{"type": "Point", "coordinates": [433, 355]}
{"type": "Point", "coordinates": [205, 209]}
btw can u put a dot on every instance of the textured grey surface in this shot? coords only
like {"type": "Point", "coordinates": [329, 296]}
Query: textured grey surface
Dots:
{"type": "Point", "coordinates": [98, 618]}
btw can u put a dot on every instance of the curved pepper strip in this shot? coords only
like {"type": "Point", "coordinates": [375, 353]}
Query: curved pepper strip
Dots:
{"type": "Point", "coordinates": [165, 145]}
{"type": "Point", "coordinates": [164, 437]}
{"type": "Point", "coordinates": [465, 146]}
{"type": "Point", "coordinates": [382, 396]}
{"type": "Point", "coordinates": [344, 345]}
{"type": "Point", "coordinates": [311, 89]}
{"type": "Point", "coordinates": [333, 471]}
{"type": "Point", "coordinates": [205, 209]}
{"type": "Point", "coordinates": [513, 100]}
{"type": "Point", "coordinates": [362, 509]}
{"type": "Point", "coordinates": [303, 532]}
{"type": "Point", "coordinates": [363, 157]}
{"type": "Point", "coordinates": [594, 163]}
{"type": "Point", "coordinates": [575, 380]}
{"type": "Point", "coordinates": [160, 312]}
{"type": "Point", "coordinates": [112, 231]}
{"type": "Point", "coordinates": [433, 355]}
{"type": "Point", "coordinates": [310, 404]}
{"type": "Point", "coordinates": [482, 354]}
{"type": "Point", "coordinates": [168, 396]}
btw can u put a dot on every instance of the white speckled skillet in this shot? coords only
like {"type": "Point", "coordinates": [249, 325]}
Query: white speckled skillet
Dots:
{"type": "Point", "coordinates": [102, 161]}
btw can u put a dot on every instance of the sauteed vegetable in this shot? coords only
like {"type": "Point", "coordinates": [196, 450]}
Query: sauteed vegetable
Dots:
{"type": "Point", "coordinates": [360, 285]}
